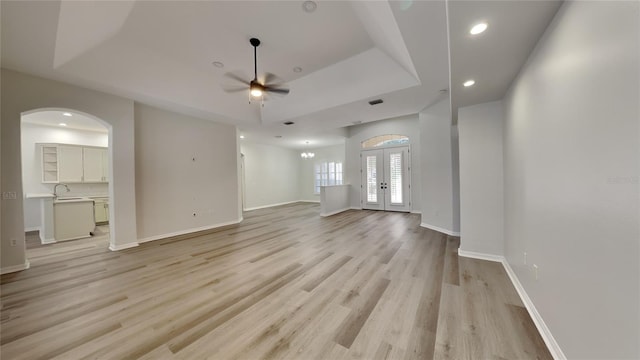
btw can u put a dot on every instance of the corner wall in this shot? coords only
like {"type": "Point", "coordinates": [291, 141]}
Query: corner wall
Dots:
{"type": "Point", "coordinates": [439, 211]}
{"type": "Point", "coordinates": [481, 179]}
{"type": "Point", "coordinates": [571, 170]}
{"type": "Point", "coordinates": [271, 175]}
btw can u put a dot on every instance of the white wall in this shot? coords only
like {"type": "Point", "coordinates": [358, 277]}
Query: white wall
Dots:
{"type": "Point", "coordinates": [571, 170]}
{"type": "Point", "coordinates": [271, 175]}
{"type": "Point", "coordinates": [481, 184]}
{"type": "Point", "coordinates": [32, 134]}
{"type": "Point", "coordinates": [307, 168]}
{"type": "Point", "coordinates": [437, 165]}
{"type": "Point", "coordinates": [171, 186]}
{"type": "Point", "coordinates": [22, 93]}
{"type": "Point", "coordinates": [405, 125]}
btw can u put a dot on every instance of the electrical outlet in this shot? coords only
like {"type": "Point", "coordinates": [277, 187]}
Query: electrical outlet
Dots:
{"type": "Point", "coordinates": [524, 255]}
{"type": "Point", "coordinates": [14, 242]}
{"type": "Point", "coordinates": [535, 271]}
{"type": "Point", "coordinates": [9, 195]}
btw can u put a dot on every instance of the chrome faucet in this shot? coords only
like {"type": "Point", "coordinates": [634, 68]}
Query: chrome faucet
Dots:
{"type": "Point", "coordinates": [55, 189]}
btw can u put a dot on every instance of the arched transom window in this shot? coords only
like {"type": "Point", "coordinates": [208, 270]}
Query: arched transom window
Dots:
{"type": "Point", "coordinates": [385, 140]}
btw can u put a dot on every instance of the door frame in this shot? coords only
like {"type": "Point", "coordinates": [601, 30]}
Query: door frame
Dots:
{"type": "Point", "coordinates": [382, 195]}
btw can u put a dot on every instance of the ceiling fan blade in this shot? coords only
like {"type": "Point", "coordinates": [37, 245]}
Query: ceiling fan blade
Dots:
{"type": "Point", "coordinates": [236, 78]}
{"type": "Point", "coordinates": [272, 79]}
{"type": "Point", "coordinates": [229, 89]}
{"type": "Point", "coordinates": [276, 90]}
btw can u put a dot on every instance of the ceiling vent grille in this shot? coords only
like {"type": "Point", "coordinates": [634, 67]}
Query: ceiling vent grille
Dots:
{"type": "Point", "coordinates": [375, 102]}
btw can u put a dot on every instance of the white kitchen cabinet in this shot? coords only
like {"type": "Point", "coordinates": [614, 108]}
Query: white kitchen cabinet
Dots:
{"type": "Point", "coordinates": [73, 219]}
{"type": "Point", "coordinates": [101, 210]}
{"type": "Point", "coordinates": [70, 167]}
{"type": "Point", "coordinates": [63, 163]}
{"type": "Point", "coordinates": [94, 160]}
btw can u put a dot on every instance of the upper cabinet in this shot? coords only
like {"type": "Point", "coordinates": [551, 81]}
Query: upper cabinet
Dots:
{"type": "Point", "coordinates": [95, 164]}
{"type": "Point", "coordinates": [63, 163]}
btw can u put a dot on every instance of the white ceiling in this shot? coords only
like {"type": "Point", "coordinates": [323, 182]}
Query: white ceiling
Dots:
{"type": "Point", "coordinates": [161, 53]}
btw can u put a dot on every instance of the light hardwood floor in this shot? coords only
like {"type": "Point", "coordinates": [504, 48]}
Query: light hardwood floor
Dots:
{"type": "Point", "coordinates": [284, 284]}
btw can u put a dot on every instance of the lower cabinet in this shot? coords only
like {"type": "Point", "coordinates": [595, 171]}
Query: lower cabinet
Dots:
{"type": "Point", "coordinates": [101, 210]}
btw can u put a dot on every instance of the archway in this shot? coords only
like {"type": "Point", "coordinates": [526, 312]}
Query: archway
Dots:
{"type": "Point", "coordinates": [75, 132]}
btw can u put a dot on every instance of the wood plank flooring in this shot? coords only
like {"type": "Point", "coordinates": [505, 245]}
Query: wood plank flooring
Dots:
{"type": "Point", "coordinates": [284, 284]}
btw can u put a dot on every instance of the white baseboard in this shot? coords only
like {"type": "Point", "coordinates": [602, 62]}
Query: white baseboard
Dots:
{"type": "Point", "coordinates": [310, 201]}
{"type": "Point", "coordinates": [11, 269]}
{"type": "Point", "coordinates": [187, 231]}
{"type": "Point", "coordinates": [355, 208]}
{"type": "Point", "coordinates": [123, 246]}
{"type": "Point", "coordinates": [549, 340]}
{"type": "Point", "coordinates": [47, 241]}
{"type": "Point", "coordinates": [334, 212]}
{"type": "Point", "coordinates": [35, 228]}
{"type": "Point", "coordinates": [416, 212]}
{"type": "Point", "coordinates": [544, 331]}
{"type": "Point", "coordinates": [271, 205]}
{"type": "Point", "coordinates": [481, 256]}
{"type": "Point", "coordinates": [439, 229]}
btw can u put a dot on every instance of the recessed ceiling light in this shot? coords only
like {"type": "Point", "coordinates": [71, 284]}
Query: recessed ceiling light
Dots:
{"type": "Point", "coordinates": [62, 124]}
{"type": "Point", "coordinates": [469, 83]}
{"type": "Point", "coordinates": [478, 28]}
{"type": "Point", "coordinates": [218, 64]}
{"type": "Point", "coordinates": [297, 69]}
{"type": "Point", "coordinates": [241, 136]}
{"type": "Point", "coordinates": [278, 136]}
{"type": "Point", "coordinates": [309, 6]}
{"type": "Point", "coordinates": [288, 123]}
{"type": "Point", "coordinates": [67, 114]}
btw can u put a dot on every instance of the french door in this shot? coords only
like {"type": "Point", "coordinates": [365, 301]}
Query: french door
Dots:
{"type": "Point", "coordinates": [385, 179]}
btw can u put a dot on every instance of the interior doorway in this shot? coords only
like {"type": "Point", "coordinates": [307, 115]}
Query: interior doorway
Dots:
{"type": "Point", "coordinates": [65, 170]}
{"type": "Point", "coordinates": [385, 179]}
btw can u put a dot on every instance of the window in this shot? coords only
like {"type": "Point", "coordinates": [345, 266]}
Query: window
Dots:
{"type": "Point", "coordinates": [385, 140]}
{"type": "Point", "coordinates": [327, 173]}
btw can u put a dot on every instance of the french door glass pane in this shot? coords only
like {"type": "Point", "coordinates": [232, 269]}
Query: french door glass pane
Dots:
{"type": "Point", "coordinates": [395, 177]}
{"type": "Point", "coordinates": [372, 180]}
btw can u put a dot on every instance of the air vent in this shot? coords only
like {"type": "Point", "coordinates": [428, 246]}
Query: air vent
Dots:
{"type": "Point", "coordinates": [288, 123]}
{"type": "Point", "coordinates": [375, 102]}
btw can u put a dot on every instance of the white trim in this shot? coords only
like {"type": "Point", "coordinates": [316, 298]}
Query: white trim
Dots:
{"type": "Point", "coordinates": [549, 340]}
{"type": "Point", "coordinates": [416, 212]}
{"type": "Point", "coordinates": [439, 229]}
{"type": "Point", "coordinates": [335, 212]}
{"type": "Point", "coordinates": [47, 241]}
{"type": "Point", "coordinates": [355, 208]}
{"type": "Point", "coordinates": [544, 331]}
{"type": "Point", "coordinates": [11, 269]}
{"type": "Point", "coordinates": [271, 205]}
{"type": "Point", "coordinates": [187, 231]}
{"type": "Point", "coordinates": [35, 228]}
{"type": "Point", "coordinates": [123, 246]}
{"type": "Point", "coordinates": [310, 201]}
{"type": "Point", "coordinates": [481, 256]}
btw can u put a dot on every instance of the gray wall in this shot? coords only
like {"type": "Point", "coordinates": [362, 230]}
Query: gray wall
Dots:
{"type": "Point", "coordinates": [171, 186]}
{"type": "Point", "coordinates": [571, 167]}
{"type": "Point", "coordinates": [439, 210]}
{"type": "Point", "coordinates": [271, 175]}
{"type": "Point", "coordinates": [405, 125]}
{"type": "Point", "coordinates": [481, 184]}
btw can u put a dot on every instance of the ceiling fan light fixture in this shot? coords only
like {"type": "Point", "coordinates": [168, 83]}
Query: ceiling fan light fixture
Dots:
{"type": "Point", "coordinates": [255, 92]}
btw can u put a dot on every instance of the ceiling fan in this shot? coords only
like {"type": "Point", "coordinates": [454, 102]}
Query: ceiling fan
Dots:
{"type": "Point", "coordinates": [271, 84]}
